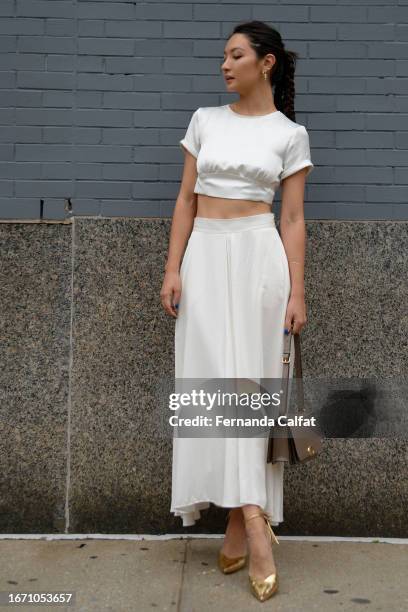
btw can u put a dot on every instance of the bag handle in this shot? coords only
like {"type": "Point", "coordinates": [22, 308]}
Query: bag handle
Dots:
{"type": "Point", "coordinates": [297, 367]}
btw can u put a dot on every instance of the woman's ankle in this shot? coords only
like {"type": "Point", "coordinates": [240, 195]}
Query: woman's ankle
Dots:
{"type": "Point", "coordinates": [235, 540]}
{"type": "Point", "coordinates": [235, 514]}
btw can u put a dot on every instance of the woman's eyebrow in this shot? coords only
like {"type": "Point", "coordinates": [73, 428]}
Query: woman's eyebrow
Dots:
{"type": "Point", "coordinates": [236, 48]}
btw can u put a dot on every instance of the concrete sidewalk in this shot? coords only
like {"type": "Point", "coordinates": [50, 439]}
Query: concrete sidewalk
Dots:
{"type": "Point", "coordinates": [181, 575]}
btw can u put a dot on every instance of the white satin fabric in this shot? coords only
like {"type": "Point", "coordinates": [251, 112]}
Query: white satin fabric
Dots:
{"type": "Point", "coordinates": [230, 324]}
{"type": "Point", "coordinates": [245, 157]}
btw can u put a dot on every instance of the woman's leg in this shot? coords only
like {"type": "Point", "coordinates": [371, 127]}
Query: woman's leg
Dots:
{"type": "Point", "coordinates": [252, 536]}
{"type": "Point", "coordinates": [261, 561]}
{"type": "Point", "coordinates": [235, 541]}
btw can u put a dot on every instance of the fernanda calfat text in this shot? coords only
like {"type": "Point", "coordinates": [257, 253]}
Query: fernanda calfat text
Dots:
{"type": "Point", "coordinates": [221, 421]}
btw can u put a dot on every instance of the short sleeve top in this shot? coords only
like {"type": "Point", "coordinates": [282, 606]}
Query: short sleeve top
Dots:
{"type": "Point", "coordinates": [245, 157]}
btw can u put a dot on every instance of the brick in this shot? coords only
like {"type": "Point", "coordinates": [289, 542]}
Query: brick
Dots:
{"type": "Point", "coordinates": [32, 99]}
{"type": "Point", "coordinates": [105, 46]}
{"type": "Point", "coordinates": [17, 134]}
{"type": "Point", "coordinates": [102, 153]}
{"type": "Point", "coordinates": [54, 209]}
{"type": "Point", "coordinates": [152, 190]}
{"type": "Point", "coordinates": [387, 193]}
{"type": "Point", "coordinates": [45, 80]}
{"type": "Point", "coordinates": [45, 8]}
{"type": "Point", "coordinates": [103, 118]}
{"type": "Point", "coordinates": [132, 65]}
{"type": "Point", "coordinates": [88, 171]}
{"type": "Point", "coordinates": [122, 136]}
{"type": "Point", "coordinates": [30, 61]}
{"type": "Point", "coordinates": [131, 100]}
{"type": "Point", "coordinates": [63, 99]}
{"type": "Point", "coordinates": [6, 188]}
{"type": "Point", "coordinates": [368, 32]}
{"type": "Point", "coordinates": [106, 189]}
{"type": "Point", "coordinates": [89, 99]}
{"type": "Point", "coordinates": [60, 27]}
{"type": "Point", "coordinates": [46, 44]}
{"type": "Point", "coordinates": [130, 172]}
{"type": "Point", "coordinates": [64, 63]}
{"type": "Point", "coordinates": [43, 152]}
{"type": "Point", "coordinates": [7, 8]}
{"type": "Point", "coordinates": [43, 116]}
{"type": "Point", "coordinates": [167, 11]}
{"type": "Point", "coordinates": [88, 207]}
{"type": "Point", "coordinates": [8, 98]}
{"type": "Point", "coordinates": [105, 82]}
{"type": "Point", "coordinates": [106, 10]}
{"type": "Point", "coordinates": [191, 29]}
{"type": "Point", "coordinates": [90, 63]}
{"type": "Point", "coordinates": [6, 152]}
{"type": "Point", "coordinates": [7, 80]}
{"type": "Point", "coordinates": [7, 116]}
{"type": "Point", "coordinates": [130, 208]}
{"type": "Point", "coordinates": [345, 14]}
{"type": "Point", "coordinates": [87, 135]}
{"type": "Point", "coordinates": [19, 208]}
{"type": "Point", "coordinates": [132, 29]}
{"type": "Point", "coordinates": [58, 134]}
{"type": "Point", "coordinates": [20, 26]}
{"type": "Point", "coordinates": [16, 171]}
{"type": "Point", "coordinates": [43, 189]}
{"type": "Point", "coordinates": [8, 61]}
{"type": "Point", "coordinates": [183, 48]}
{"type": "Point", "coordinates": [8, 44]}
{"type": "Point", "coordinates": [213, 12]}
{"type": "Point", "coordinates": [91, 27]}
{"type": "Point", "coordinates": [57, 170]}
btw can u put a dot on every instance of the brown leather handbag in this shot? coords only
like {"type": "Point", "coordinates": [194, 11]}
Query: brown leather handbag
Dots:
{"type": "Point", "coordinates": [294, 443]}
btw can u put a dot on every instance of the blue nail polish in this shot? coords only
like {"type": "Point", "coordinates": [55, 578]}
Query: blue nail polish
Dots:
{"type": "Point", "coordinates": [176, 305]}
{"type": "Point", "coordinates": [286, 331]}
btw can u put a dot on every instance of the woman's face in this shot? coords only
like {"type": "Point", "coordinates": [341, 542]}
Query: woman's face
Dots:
{"type": "Point", "coordinates": [242, 64]}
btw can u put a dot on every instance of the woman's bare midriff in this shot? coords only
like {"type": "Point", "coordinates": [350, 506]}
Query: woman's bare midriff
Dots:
{"type": "Point", "coordinates": [227, 208]}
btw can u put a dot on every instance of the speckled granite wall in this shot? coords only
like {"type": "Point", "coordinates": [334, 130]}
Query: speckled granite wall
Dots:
{"type": "Point", "coordinates": [85, 345]}
{"type": "Point", "coordinates": [35, 312]}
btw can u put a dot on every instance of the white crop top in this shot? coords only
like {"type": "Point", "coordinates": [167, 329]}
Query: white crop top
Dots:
{"type": "Point", "coordinates": [245, 157]}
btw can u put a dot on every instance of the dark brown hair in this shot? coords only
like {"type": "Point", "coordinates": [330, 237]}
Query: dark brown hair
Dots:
{"type": "Point", "coordinates": [264, 39]}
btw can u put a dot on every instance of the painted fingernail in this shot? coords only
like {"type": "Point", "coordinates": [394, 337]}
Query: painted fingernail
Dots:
{"type": "Point", "coordinates": [286, 331]}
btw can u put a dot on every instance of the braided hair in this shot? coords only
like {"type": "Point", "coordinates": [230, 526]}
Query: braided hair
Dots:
{"type": "Point", "coordinates": [264, 39]}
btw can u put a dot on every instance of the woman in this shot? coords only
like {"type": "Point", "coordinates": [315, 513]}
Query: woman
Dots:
{"type": "Point", "coordinates": [240, 286]}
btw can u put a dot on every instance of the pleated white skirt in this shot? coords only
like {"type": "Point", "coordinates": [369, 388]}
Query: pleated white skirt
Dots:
{"type": "Point", "coordinates": [235, 288]}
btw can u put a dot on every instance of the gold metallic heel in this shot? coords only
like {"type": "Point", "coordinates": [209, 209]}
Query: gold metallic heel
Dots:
{"type": "Point", "coordinates": [229, 565]}
{"type": "Point", "coordinates": [271, 533]}
{"type": "Point", "coordinates": [264, 589]}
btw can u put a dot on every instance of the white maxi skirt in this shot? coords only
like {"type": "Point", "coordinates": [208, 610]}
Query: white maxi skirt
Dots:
{"type": "Point", "coordinates": [230, 324]}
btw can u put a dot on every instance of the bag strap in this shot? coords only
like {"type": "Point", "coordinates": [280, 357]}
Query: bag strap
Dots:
{"type": "Point", "coordinates": [297, 368]}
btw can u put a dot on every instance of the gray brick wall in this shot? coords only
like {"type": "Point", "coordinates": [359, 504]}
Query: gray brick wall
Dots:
{"type": "Point", "coordinates": [94, 97]}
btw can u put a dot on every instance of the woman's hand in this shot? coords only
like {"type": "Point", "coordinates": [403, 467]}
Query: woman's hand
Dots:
{"type": "Point", "coordinates": [170, 292]}
{"type": "Point", "coordinates": [295, 313]}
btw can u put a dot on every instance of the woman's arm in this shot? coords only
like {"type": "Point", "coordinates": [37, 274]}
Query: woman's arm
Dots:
{"type": "Point", "coordinates": [293, 234]}
{"type": "Point", "coordinates": [183, 218]}
{"type": "Point", "coordinates": [181, 226]}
